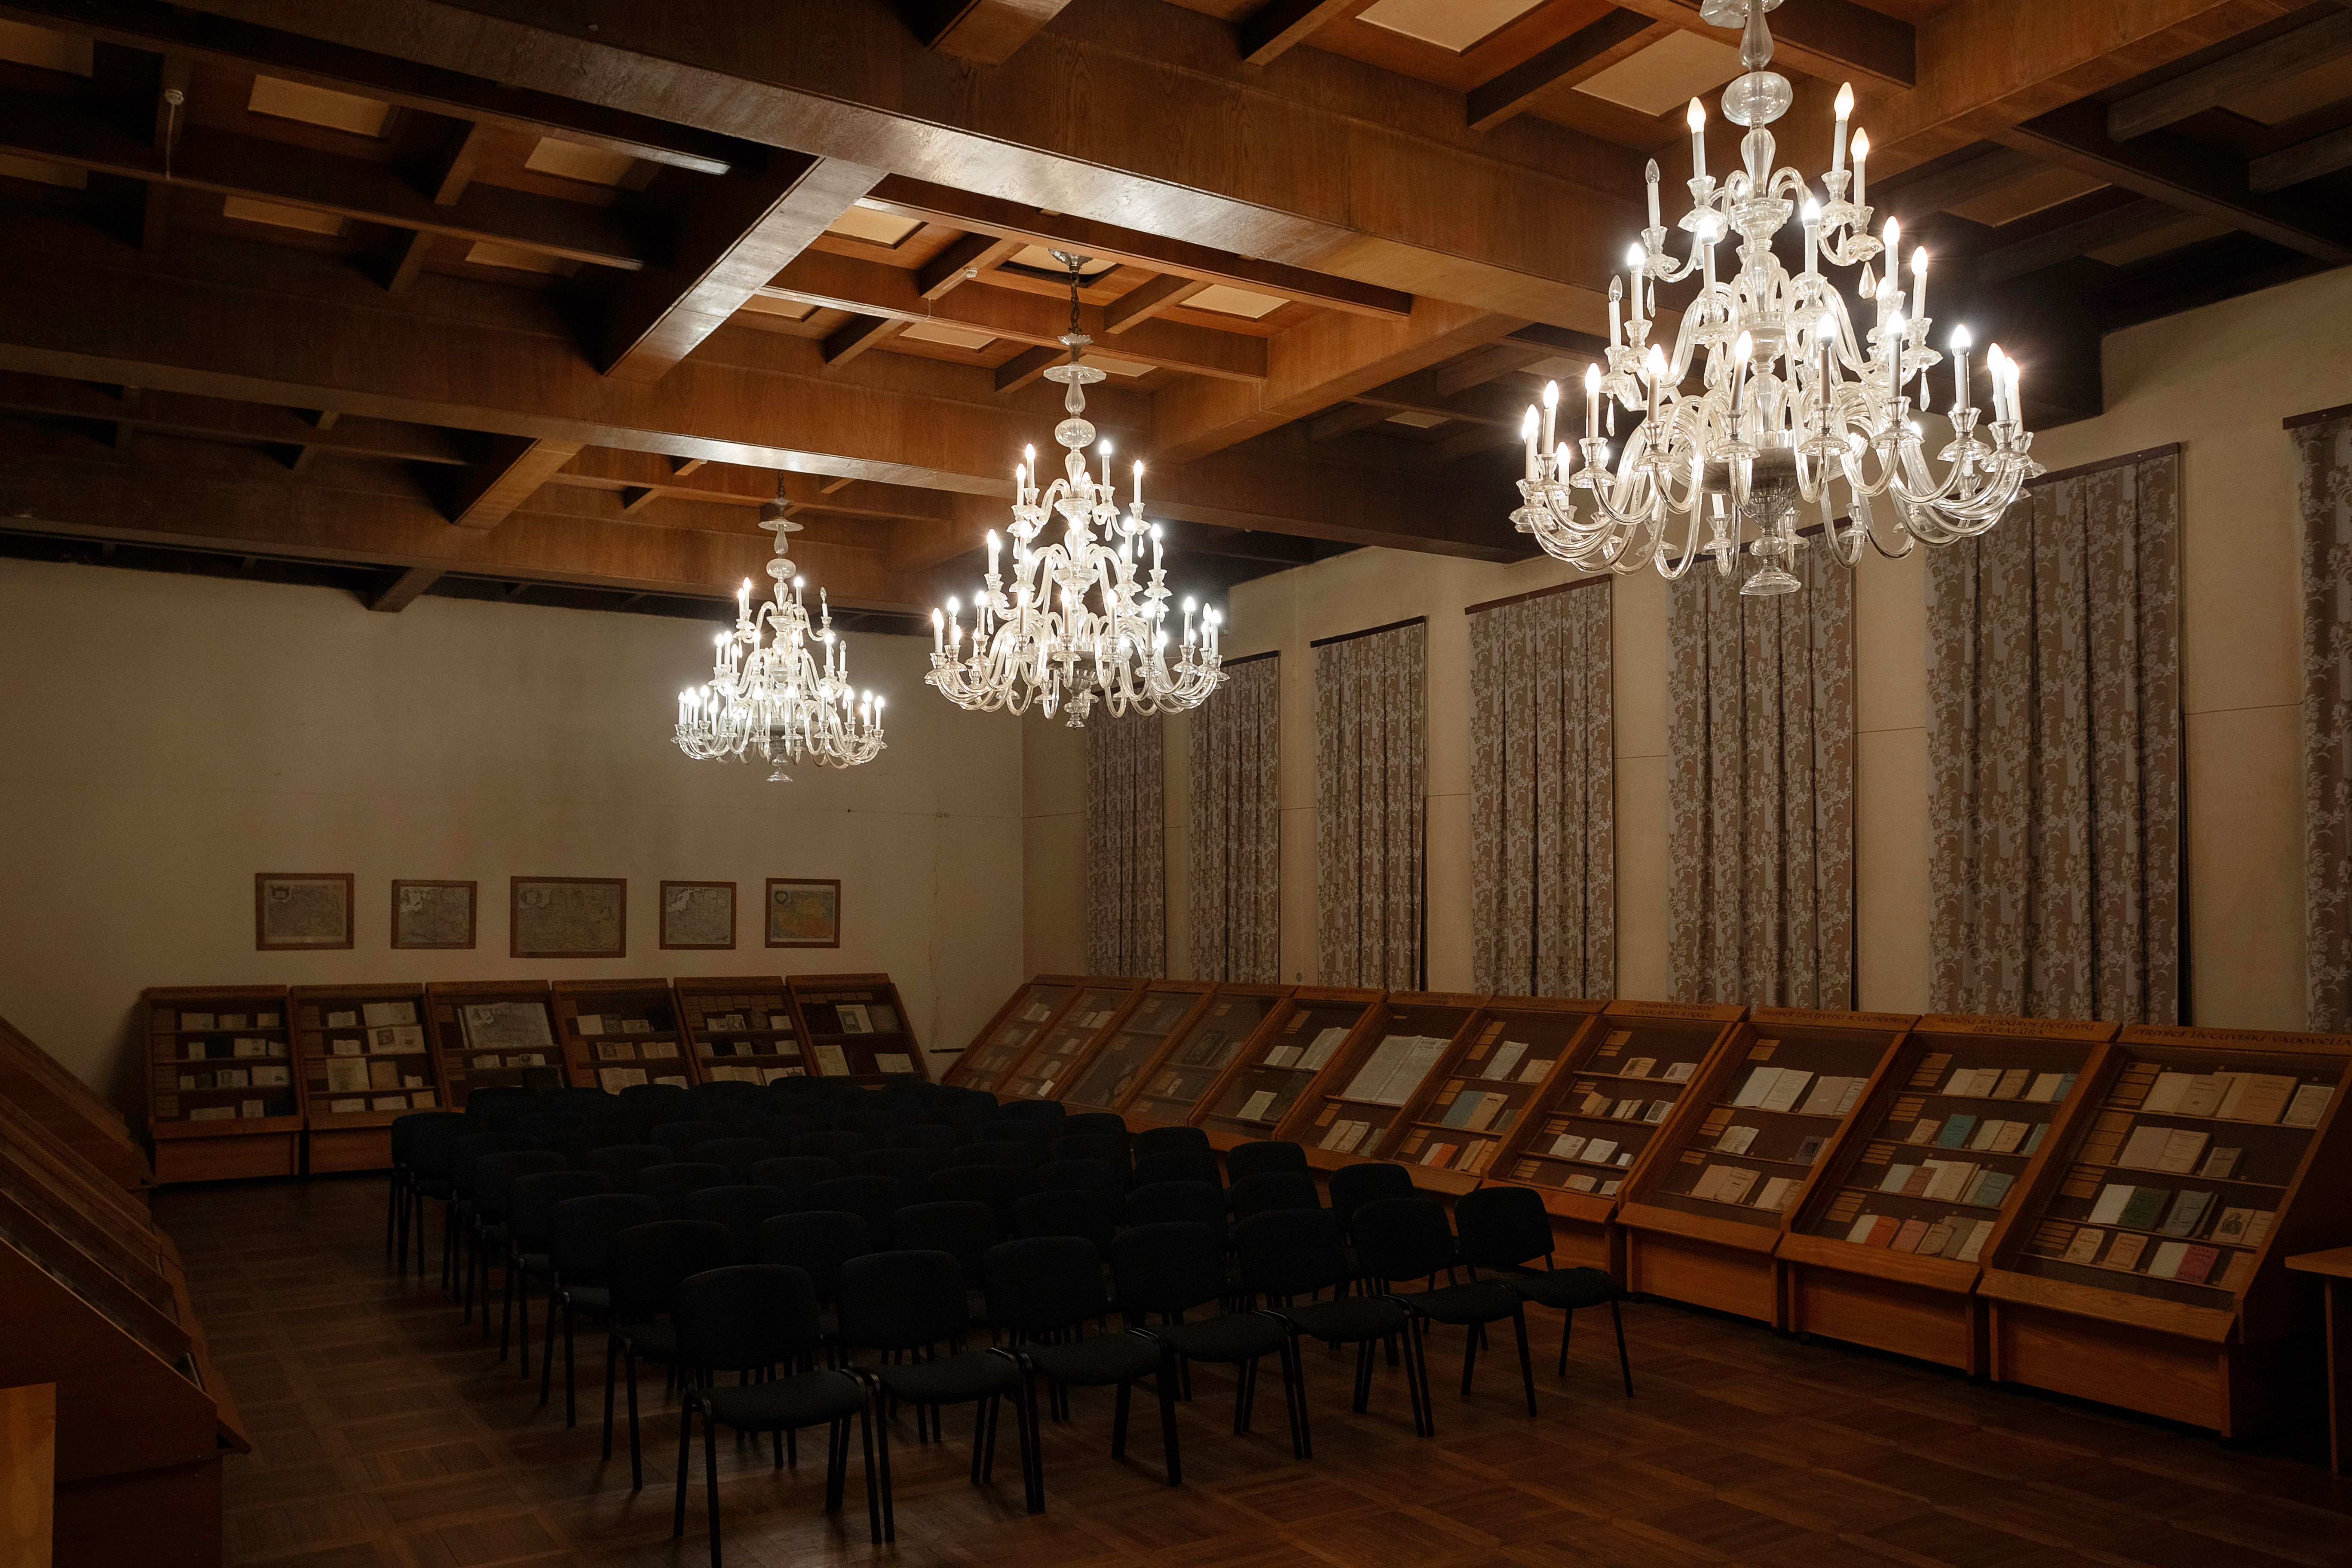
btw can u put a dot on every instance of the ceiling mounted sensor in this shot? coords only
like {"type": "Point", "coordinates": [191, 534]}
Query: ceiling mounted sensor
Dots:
{"type": "Point", "coordinates": [1454, 24]}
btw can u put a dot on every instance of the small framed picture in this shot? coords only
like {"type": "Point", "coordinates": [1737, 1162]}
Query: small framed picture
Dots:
{"type": "Point", "coordinates": [295, 912]}
{"type": "Point", "coordinates": [432, 914]}
{"type": "Point", "coordinates": [698, 914]}
{"type": "Point", "coordinates": [567, 917]}
{"type": "Point", "coordinates": [804, 911]}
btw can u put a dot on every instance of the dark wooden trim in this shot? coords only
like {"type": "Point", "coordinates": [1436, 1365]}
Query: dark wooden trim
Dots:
{"type": "Point", "coordinates": [2322, 417]}
{"type": "Point", "coordinates": [2079, 469]}
{"type": "Point", "coordinates": [1250, 658]}
{"type": "Point", "coordinates": [1370, 632]}
{"type": "Point", "coordinates": [1584, 582]}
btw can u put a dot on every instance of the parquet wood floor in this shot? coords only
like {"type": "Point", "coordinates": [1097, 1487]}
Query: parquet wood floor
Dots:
{"type": "Point", "coordinates": [387, 1435]}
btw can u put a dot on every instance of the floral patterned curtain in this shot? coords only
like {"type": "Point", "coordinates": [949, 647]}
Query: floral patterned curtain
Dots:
{"type": "Point", "coordinates": [1126, 886]}
{"type": "Point", "coordinates": [2323, 460]}
{"type": "Point", "coordinates": [2053, 748]}
{"type": "Point", "coordinates": [1236, 819]}
{"type": "Point", "coordinates": [1760, 812]}
{"type": "Point", "coordinates": [1543, 869]}
{"type": "Point", "coordinates": [1370, 697]}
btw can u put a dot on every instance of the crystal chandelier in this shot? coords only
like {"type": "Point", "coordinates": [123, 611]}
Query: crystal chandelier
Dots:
{"type": "Point", "coordinates": [1075, 621]}
{"type": "Point", "coordinates": [767, 694]}
{"type": "Point", "coordinates": [1790, 400]}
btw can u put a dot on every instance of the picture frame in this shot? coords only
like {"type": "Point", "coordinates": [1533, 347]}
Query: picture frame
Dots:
{"type": "Point", "coordinates": [567, 917]}
{"type": "Point", "coordinates": [693, 915]}
{"type": "Point", "coordinates": [302, 911]}
{"type": "Point", "coordinates": [802, 911]}
{"type": "Point", "coordinates": [431, 913]}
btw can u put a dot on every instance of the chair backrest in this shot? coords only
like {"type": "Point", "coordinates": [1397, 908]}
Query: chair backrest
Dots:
{"type": "Point", "coordinates": [965, 1228]}
{"type": "Point", "coordinates": [404, 1129]}
{"type": "Point", "coordinates": [1095, 1123]}
{"type": "Point", "coordinates": [995, 1185]}
{"type": "Point", "coordinates": [653, 1101]}
{"type": "Point", "coordinates": [1197, 1165]}
{"type": "Point", "coordinates": [877, 1198]}
{"type": "Point", "coordinates": [1080, 1175]}
{"type": "Point", "coordinates": [902, 1300]}
{"type": "Point", "coordinates": [671, 1182]}
{"type": "Point", "coordinates": [783, 1132]}
{"type": "Point", "coordinates": [482, 1101]}
{"type": "Point", "coordinates": [622, 1161]}
{"type": "Point", "coordinates": [1171, 1140]}
{"type": "Point", "coordinates": [897, 1162]}
{"type": "Point", "coordinates": [819, 1240]}
{"type": "Point", "coordinates": [1249, 1159]}
{"type": "Point", "coordinates": [495, 1174]}
{"type": "Point", "coordinates": [746, 1315]}
{"type": "Point", "coordinates": [682, 1135]}
{"type": "Point", "coordinates": [1169, 1268]}
{"type": "Point", "coordinates": [581, 1230]}
{"type": "Point", "coordinates": [738, 1155]}
{"type": "Point", "coordinates": [1013, 1153]}
{"type": "Point", "coordinates": [541, 1127]}
{"type": "Point", "coordinates": [1290, 1252]}
{"type": "Point", "coordinates": [1502, 1226]}
{"type": "Point", "coordinates": [578, 1140]}
{"type": "Point", "coordinates": [795, 1173]}
{"type": "Point", "coordinates": [468, 1153]}
{"type": "Point", "coordinates": [647, 1261]}
{"type": "Point", "coordinates": [1353, 1187]}
{"type": "Point", "coordinates": [1273, 1190]}
{"type": "Point", "coordinates": [922, 1135]}
{"type": "Point", "coordinates": [1047, 1111]}
{"type": "Point", "coordinates": [531, 1202]}
{"type": "Point", "coordinates": [1043, 1284]}
{"type": "Point", "coordinates": [1107, 1147]}
{"type": "Point", "coordinates": [837, 1143]}
{"type": "Point", "coordinates": [1404, 1238]}
{"type": "Point", "coordinates": [742, 1209]}
{"type": "Point", "coordinates": [1093, 1215]}
{"type": "Point", "coordinates": [430, 1138]}
{"type": "Point", "coordinates": [1034, 1131]}
{"type": "Point", "coordinates": [1163, 1202]}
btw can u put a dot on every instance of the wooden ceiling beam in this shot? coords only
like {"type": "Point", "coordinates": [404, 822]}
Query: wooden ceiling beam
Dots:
{"type": "Point", "coordinates": [404, 590]}
{"type": "Point", "coordinates": [483, 494]}
{"type": "Point", "coordinates": [1582, 55]}
{"type": "Point", "coordinates": [170, 80]}
{"type": "Point", "coordinates": [857, 334]}
{"type": "Point", "coordinates": [1145, 300]}
{"type": "Point", "coordinates": [1914, 197]}
{"type": "Point", "coordinates": [219, 420]}
{"type": "Point", "coordinates": [961, 262]}
{"type": "Point", "coordinates": [985, 32]}
{"type": "Point", "coordinates": [1832, 38]}
{"type": "Point", "coordinates": [2303, 161]}
{"type": "Point", "coordinates": [2079, 238]}
{"type": "Point", "coordinates": [1024, 368]}
{"type": "Point", "coordinates": [1276, 27]}
{"type": "Point", "coordinates": [2248, 70]}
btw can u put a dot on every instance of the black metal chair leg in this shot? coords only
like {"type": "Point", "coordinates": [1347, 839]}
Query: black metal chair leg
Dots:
{"type": "Point", "coordinates": [1625, 1366]}
{"type": "Point", "coordinates": [709, 1473]}
{"type": "Point", "coordinates": [881, 1447]}
{"type": "Point", "coordinates": [1033, 1459]}
{"type": "Point", "coordinates": [1118, 1420]}
{"type": "Point", "coordinates": [1166, 1390]}
{"type": "Point", "coordinates": [1469, 1359]}
{"type": "Point", "coordinates": [506, 1312]}
{"type": "Point", "coordinates": [637, 1451]}
{"type": "Point", "coordinates": [877, 1489]}
{"type": "Point", "coordinates": [1527, 1363]}
{"type": "Point", "coordinates": [1293, 1384]}
{"type": "Point", "coordinates": [980, 1410]}
{"type": "Point", "coordinates": [611, 1356]}
{"type": "Point", "coordinates": [1567, 1322]}
{"type": "Point", "coordinates": [685, 1467]}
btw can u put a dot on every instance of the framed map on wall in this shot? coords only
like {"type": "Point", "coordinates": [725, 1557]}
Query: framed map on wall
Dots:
{"type": "Point", "coordinates": [804, 911]}
{"type": "Point", "coordinates": [567, 917]}
{"type": "Point", "coordinates": [698, 914]}
{"type": "Point", "coordinates": [432, 914]}
{"type": "Point", "coordinates": [294, 910]}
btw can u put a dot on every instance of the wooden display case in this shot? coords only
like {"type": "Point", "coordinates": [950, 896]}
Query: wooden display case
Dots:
{"type": "Point", "coordinates": [1352, 1106]}
{"type": "Point", "coordinates": [1513, 1050]}
{"type": "Point", "coordinates": [205, 1129]}
{"type": "Point", "coordinates": [1702, 1211]}
{"type": "Point", "coordinates": [617, 1033]}
{"type": "Point", "coordinates": [1166, 1009]}
{"type": "Point", "coordinates": [738, 1027]}
{"type": "Point", "coordinates": [1309, 1030]}
{"type": "Point", "coordinates": [360, 1053]}
{"type": "Point", "coordinates": [72, 1111]}
{"type": "Point", "coordinates": [492, 1034]}
{"type": "Point", "coordinates": [2146, 1267]}
{"type": "Point", "coordinates": [1029, 1012]}
{"type": "Point", "coordinates": [1888, 1246]}
{"type": "Point", "coordinates": [856, 1026]}
{"type": "Point", "coordinates": [1100, 1005]}
{"type": "Point", "coordinates": [1169, 1092]}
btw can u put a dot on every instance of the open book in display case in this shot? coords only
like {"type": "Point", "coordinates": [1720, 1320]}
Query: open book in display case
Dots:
{"type": "Point", "coordinates": [1169, 1091]}
{"type": "Point", "coordinates": [1356, 1108]}
{"type": "Point", "coordinates": [73, 1113]}
{"type": "Point", "coordinates": [2146, 1267]}
{"type": "Point", "coordinates": [223, 1097]}
{"type": "Point", "coordinates": [739, 1028]}
{"type": "Point", "coordinates": [1028, 1013]}
{"type": "Point", "coordinates": [1703, 1209]}
{"type": "Point", "coordinates": [361, 1052]}
{"type": "Point", "coordinates": [856, 1026]}
{"type": "Point", "coordinates": [618, 1033]}
{"type": "Point", "coordinates": [1098, 1008]}
{"type": "Point", "coordinates": [1308, 1031]}
{"type": "Point", "coordinates": [1113, 1069]}
{"type": "Point", "coordinates": [1892, 1236]}
{"type": "Point", "coordinates": [491, 1033]}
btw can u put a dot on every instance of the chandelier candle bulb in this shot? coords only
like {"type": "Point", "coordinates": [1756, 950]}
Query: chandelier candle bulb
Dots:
{"type": "Point", "coordinates": [1812, 215]}
{"type": "Point", "coordinates": [1697, 120]}
{"type": "Point", "coordinates": [1918, 282]}
{"type": "Point", "coordinates": [1893, 338]}
{"type": "Point", "coordinates": [1527, 428]}
{"type": "Point", "coordinates": [1634, 258]}
{"type": "Point", "coordinates": [1837, 137]}
{"type": "Point", "coordinates": [1592, 405]}
{"type": "Point", "coordinates": [1960, 342]}
{"type": "Point", "coordinates": [1616, 293]}
{"type": "Point", "coordinates": [1861, 156]}
{"type": "Point", "coordinates": [1651, 178]}
{"type": "Point", "coordinates": [1550, 412]}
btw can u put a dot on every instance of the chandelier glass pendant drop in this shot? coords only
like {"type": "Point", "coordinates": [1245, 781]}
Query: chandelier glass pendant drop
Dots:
{"type": "Point", "coordinates": [1074, 621]}
{"type": "Point", "coordinates": [1790, 399]}
{"type": "Point", "coordinates": [768, 694]}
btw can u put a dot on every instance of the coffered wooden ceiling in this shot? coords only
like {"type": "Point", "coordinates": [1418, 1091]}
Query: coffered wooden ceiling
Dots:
{"type": "Point", "coordinates": [544, 295]}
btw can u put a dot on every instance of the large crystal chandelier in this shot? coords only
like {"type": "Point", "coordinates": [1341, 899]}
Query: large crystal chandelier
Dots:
{"type": "Point", "coordinates": [768, 694]}
{"type": "Point", "coordinates": [1075, 621]}
{"type": "Point", "coordinates": [1790, 400]}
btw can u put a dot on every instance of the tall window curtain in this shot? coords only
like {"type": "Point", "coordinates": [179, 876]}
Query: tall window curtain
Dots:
{"type": "Point", "coordinates": [2324, 458]}
{"type": "Point", "coordinates": [2053, 747]}
{"type": "Point", "coordinates": [1760, 812]}
{"type": "Point", "coordinates": [1236, 821]}
{"type": "Point", "coordinates": [1543, 872]}
{"type": "Point", "coordinates": [1126, 885]}
{"type": "Point", "coordinates": [1369, 694]}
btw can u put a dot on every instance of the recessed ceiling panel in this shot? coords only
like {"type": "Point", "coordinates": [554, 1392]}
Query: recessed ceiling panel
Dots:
{"type": "Point", "coordinates": [308, 219]}
{"type": "Point", "coordinates": [1454, 24]}
{"type": "Point", "coordinates": [2028, 193]}
{"type": "Point", "coordinates": [319, 106]}
{"type": "Point", "coordinates": [45, 47]}
{"type": "Point", "coordinates": [2191, 228]}
{"type": "Point", "coordinates": [791, 310]}
{"type": "Point", "coordinates": [1418, 420]}
{"type": "Point", "coordinates": [490, 253]}
{"type": "Point", "coordinates": [879, 227]}
{"type": "Point", "coordinates": [954, 337]}
{"type": "Point", "coordinates": [1115, 367]}
{"type": "Point", "coordinates": [44, 172]}
{"type": "Point", "coordinates": [570, 161]}
{"type": "Point", "coordinates": [1668, 75]}
{"type": "Point", "coordinates": [2279, 101]}
{"type": "Point", "coordinates": [1228, 300]}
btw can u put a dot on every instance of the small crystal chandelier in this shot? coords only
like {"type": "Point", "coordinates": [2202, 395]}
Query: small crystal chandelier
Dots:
{"type": "Point", "coordinates": [766, 693]}
{"type": "Point", "coordinates": [1045, 642]}
{"type": "Point", "coordinates": [1790, 401]}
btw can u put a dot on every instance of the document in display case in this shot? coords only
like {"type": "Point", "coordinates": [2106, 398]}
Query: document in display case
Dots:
{"type": "Point", "coordinates": [856, 1026]}
{"type": "Point", "coordinates": [362, 1054]}
{"type": "Point", "coordinates": [38, 1083]}
{"type": "Point", "coordinates": [1026, 1014]}
{"type": "Point", "coordinates": [1356, 1104]}
{"type": "Point", "coordinates": [494, 1033]}
{"type": "Point", "coordinates": [1098, 1008]}
{"type": "Point", "coordinates": [1169, 1091]}
{"type": "Point", "coordinates": [739, 1028]}
{"type": "Point", "coordinates": [616, 1034]}
{"type": "Point", "coordinates": [1306, 1033]}
{"type": "Point", "coordinates": [1165, 1010]}
{"type": "Point", "coordinates": [223, 1099]}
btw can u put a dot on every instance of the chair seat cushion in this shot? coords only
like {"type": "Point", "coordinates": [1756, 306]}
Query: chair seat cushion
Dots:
{"type": "Point", "coordinates": [952, 1379]}
{"type": "Point", "coordinates": [1480, 1301]}
{"type": "Point", "coordinates": [590, 1301]}
{"type": "Point", "coordinates": [652, 1342]}
{"type": "Point", "coordinates": [809, 1399]}
{"type": "Point", "coordinates": [1227, 1338]}
{"type": "Point", "coordinates": [538, 1265]}
{"type": "Point", "coordinates": [1097, 1360]}
{"type": "Point", "coordinates": [1566, 1289]}
{"type": "Point", "coordinates": [1347, 1320]}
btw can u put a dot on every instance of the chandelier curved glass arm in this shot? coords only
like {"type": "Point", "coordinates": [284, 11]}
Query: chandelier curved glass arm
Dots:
{"type": "Point", "coordinates": [771, 693]}
{"type": "Point", "coordinates": [1078, 619]}
{"type": "Point", "coordinates": [1794, 396]}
